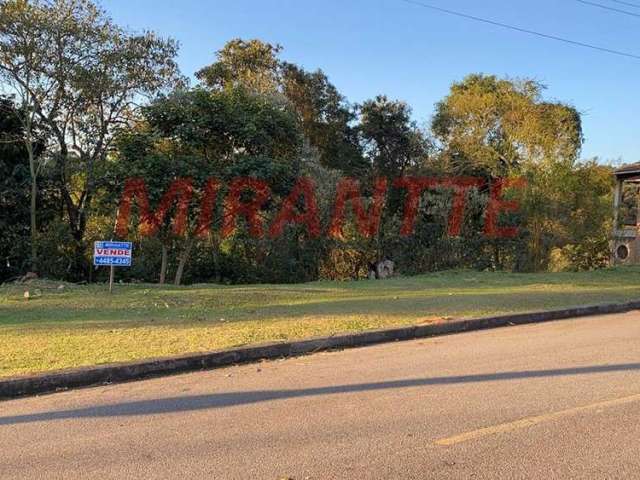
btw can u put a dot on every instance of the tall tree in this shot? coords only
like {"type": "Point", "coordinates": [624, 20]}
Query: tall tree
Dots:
{"type": "Point", "coordinates": [200, 133]}
{"type": "Point", "coordinates": [251, 63]}
{"type": "Point", "coordinates": [84, 77]}
{"type": "Point", "coordinates": [493, 125]}
{"type": "Point", "coordinates": [498, 127]}
{"type": "Point", "coordinates": [23, 65]}
{"type": "Point", "coordinates": [144, 154]}
{"type": "Point", "coordinates": [219, 125]}
{"type": "Point", "coordinates": [14, 191]}
{"type": "Point", "coordinates": [393, 142]}
{"type": "Point", "coordinates": [326, 117]}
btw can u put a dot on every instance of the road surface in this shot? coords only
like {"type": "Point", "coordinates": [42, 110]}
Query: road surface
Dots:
{"type": "Point", "coordinates": [555, 400]}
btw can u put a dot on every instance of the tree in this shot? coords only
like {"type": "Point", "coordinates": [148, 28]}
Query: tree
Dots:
{"type": "Point", "coordinates": [201, 133]}
{"type": "Point", "coordinates": [494, 127]}
{"type": "Point", "coordinates": [253, 64]}
{"type": "Point", "coordinates": [392, 141]}
{"type": "Point", "coordinates": [568, 212]}
{"type": "Point", "coordinates": [143, 154]}
{"type": "Point", "coordinates": [14, 191]}
{"type": "Point", "coordinates": [219, 125]}
{"type": "Point", "coordinates": [23, 65]}
{"type": "Point", "coordinates": [491, 126]}
{"type": "Point", "coordinates": [325, 116]}
{"type": "Point", "coordinates": [83, 78]}
{"type": "Point", "coordinates": [20, 128]}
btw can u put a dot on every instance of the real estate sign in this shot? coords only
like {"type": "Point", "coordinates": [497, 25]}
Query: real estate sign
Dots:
{"type": "Point", "coordinates": [115, 254]}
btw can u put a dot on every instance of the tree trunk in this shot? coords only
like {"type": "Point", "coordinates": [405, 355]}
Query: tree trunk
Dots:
{"type": "Point", "coordinates": [32, 215]}
{"type": "Point", "coordinates": [184, 258]}
{"type": "Point", "coordinates": [163, 266]}
{"type": "Point", "coordinates": [496, 257]}
{"type": "Point", "coordinates": [215, 256]}
{"type": "Point", "coordinates": [33, 204]}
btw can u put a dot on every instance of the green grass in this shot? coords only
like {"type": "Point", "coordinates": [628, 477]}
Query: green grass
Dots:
{"type": "Point", "coordinates": [84, 325]}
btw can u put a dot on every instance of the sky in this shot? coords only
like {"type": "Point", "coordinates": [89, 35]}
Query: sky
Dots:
{"type": "Point", "coordinates": [410, 53]}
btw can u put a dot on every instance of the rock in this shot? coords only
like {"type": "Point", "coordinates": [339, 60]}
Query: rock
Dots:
{"type": "Point", "coordinates": [385, 269]}
{"type": "Point", "coordinates": [381, 270]}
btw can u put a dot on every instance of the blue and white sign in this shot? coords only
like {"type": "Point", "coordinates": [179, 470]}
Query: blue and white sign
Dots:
{"type": "Point", "coordinates": [117, 254]}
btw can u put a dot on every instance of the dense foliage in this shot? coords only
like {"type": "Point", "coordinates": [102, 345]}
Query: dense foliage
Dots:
{"type": "Point", "coordinates": [91, 105]}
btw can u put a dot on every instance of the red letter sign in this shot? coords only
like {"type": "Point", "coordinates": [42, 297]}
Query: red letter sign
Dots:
{"type": "Point", "coordinates": [304, 188]}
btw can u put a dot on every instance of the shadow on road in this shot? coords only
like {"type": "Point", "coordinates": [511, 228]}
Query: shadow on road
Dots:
{"type": "Point", "coordinates": [222, 400]}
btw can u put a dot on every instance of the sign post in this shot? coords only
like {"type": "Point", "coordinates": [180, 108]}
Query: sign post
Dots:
{"type": "Point", "coordinates": [112, 254]}
{"type": "Point", "coordinates": [112, 274]}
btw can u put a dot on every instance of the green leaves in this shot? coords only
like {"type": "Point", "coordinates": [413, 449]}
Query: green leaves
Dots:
{"type": "Point", "coordinates": [497, 125]}
{"type": "Point", "coordinates": [393, 142]}
{"type": "Point", "coordinates": [221, 124]}
{"type": "Point", "coordinates": [252, 64]}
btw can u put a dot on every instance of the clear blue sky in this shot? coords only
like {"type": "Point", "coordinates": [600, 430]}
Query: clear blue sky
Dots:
{"type": "Point", "coordinates": [369, 47]}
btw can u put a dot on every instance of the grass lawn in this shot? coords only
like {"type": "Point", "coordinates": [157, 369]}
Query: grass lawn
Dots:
{"type": "Point", "coordinates": [84, 325]}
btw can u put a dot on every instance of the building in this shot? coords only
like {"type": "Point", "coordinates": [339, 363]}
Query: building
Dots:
{"type": "Point", "coordinates": [626, 226]}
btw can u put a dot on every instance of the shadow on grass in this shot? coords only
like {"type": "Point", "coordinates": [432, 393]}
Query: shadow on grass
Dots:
{"type": "Point", "coordinates": [231, 399]}
{"type": "Point", "coordinates": [411, 307]}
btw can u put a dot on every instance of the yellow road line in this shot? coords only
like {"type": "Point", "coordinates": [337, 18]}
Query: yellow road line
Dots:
{"type": "Point", "coordinates": [529, 421]}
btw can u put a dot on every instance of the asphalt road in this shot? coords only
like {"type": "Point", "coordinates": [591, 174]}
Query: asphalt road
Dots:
{"type": "Point", "coordinates": [554, 400]}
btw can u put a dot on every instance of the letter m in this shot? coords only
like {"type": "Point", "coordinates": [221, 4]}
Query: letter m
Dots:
{"type": "Point", "coordinates": [180, 189]}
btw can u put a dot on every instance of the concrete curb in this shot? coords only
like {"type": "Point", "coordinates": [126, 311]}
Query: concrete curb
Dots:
{"type": "Point", "coordinates": [51, 382]}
